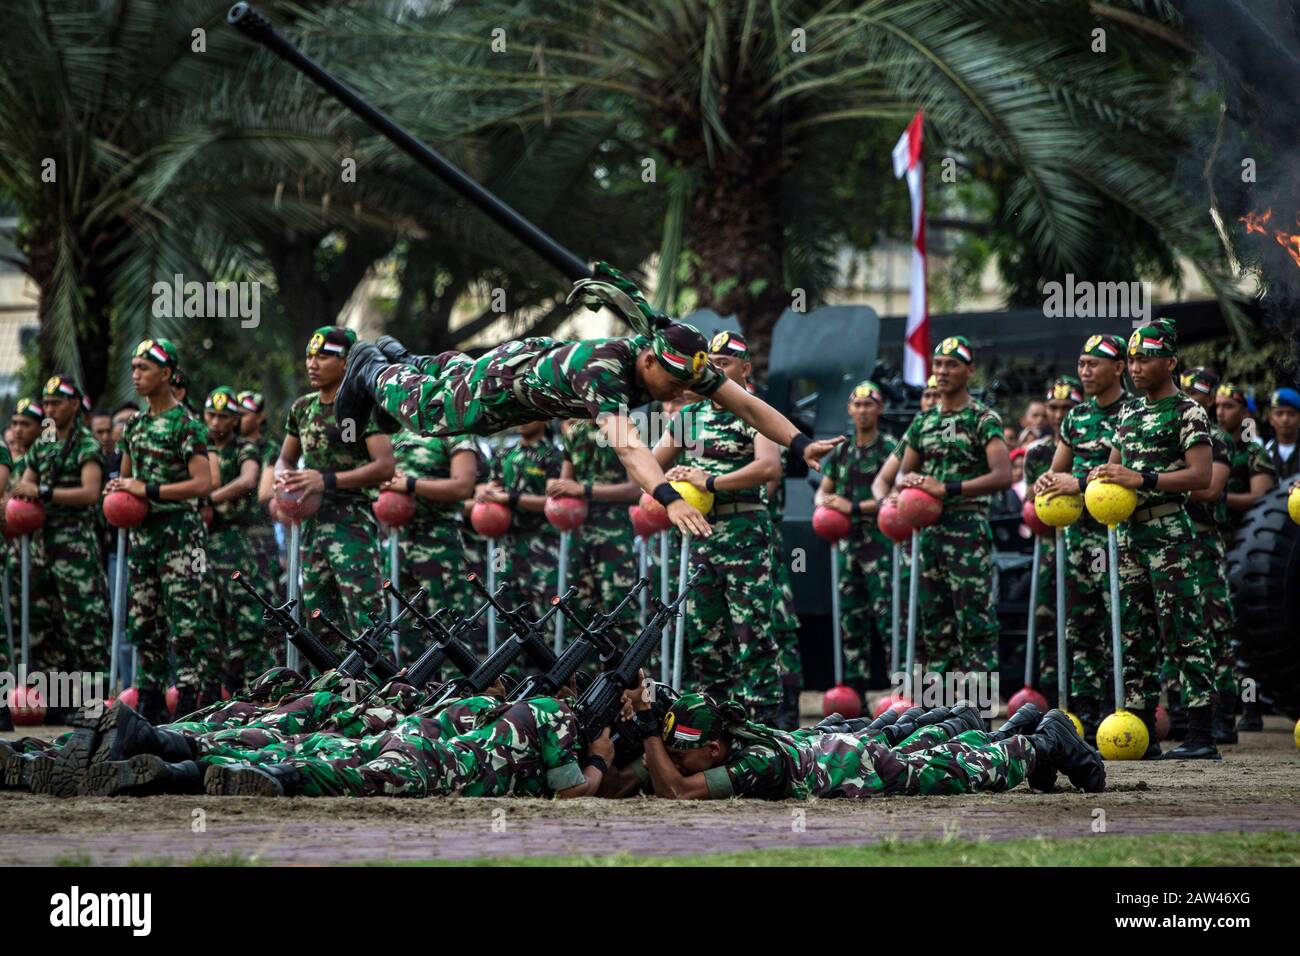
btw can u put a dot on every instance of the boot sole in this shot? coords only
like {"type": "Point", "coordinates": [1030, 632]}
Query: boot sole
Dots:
{"type": "Point", "coordinates": [120, 776]}
{"type": "Point", "coordinates": [1174, 755]}
{"type": "Point", "coordinates": [239, 782]}
{"type": "Point", "coordinates": [73, 760]}
{"type": "Point", "coordinates": [41, 779]}
{"type": "Point", "coordinates": [107, 728]}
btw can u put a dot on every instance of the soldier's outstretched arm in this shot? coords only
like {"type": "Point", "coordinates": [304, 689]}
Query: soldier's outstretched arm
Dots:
{"type": "Point", "coordinates": [771, 423]}
{"type": "Point", "coordinates": [644, 468]}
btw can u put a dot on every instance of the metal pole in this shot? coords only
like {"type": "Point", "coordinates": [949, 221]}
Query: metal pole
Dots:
{"type": "Point", "coordinates": [25, 597]}
{"type": "Point", "coordinates": [680, 653]}
{"type": "Point", "coordinates": [896, 608]}
{"type": "Point", "coordinates": [492, 588]}
{"type": "Point", "coordinates": [1031, 626]}
{"type": "Point", "coordinates": [9, 611]}
{"type": "Point", "coordinates": [119, 608]}
{"type": "Point", "coordinates": [837, 638]}
{"type": "Point", "coordinates": [561, 583]}
{"type": "Point", "coordinates": [913, 594]}
{"type": "Point", "coordinates": [665, 650]}
{"type": "Point", "coordinates": [392, 601]}
{"type": "Point", "coordinates": [293, 584]}
{"type": "Point", "coordinates": [643, 569]}
{"type": "Point", "coordinates": [1112, 544]}
{"type": "Point", "coordinates": [1062, 684]}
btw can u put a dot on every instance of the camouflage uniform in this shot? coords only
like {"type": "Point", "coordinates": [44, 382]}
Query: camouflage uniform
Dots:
{"type": "Point", "coordinates": [786, 627]}
{"type": "Point", "coordinates": [340, 542]}
{"type": "Point", "coordinates": [1160, 597]}
{"type": "Point", "coordinates": [531, 548]}
{"type": "Point", "coordinates": [6, 459]}
{"type": "Point", "coordinates": [1038, 461]}
{"type": "Point", "coordinates": [533, 379]}
{"type": "Point", "coordinates": [169, 608]}
{"type": "Point", "coordinates": [69, 595]}
{"type": "Point", "coordinates": [1088, 431]}
{"type": "Point", "coordinates": [866, 558]}
{"type": "Point", "coordinates": [430, 549]}
{"type": "Point", "coordinates": [1210, 519]}
{"type": "Point", "coordinates": [1246, 460]}
{"type": "Point", "coordinates": [261, 528]}
{"type": "Point", "coordinates": [730, 648]}
{"type": "Point", "coordinates": [246, 650]}
{"type": "Point", "coordinates": [957, 603]}
{"type": "Point", "coordinates": [602, 564]}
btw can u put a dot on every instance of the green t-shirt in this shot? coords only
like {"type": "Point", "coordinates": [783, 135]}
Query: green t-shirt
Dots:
{"type": "Point", "coordinates": [59, 463]}
{"type": "Point", "coordinates": [1215, 513]}
{"type": "Point", "coordinates": [429, 456]}
{"type": "Point", "coordinates": [1089, 432]}
{"type": "Point", "coordinates": [718, 441]}
{"type": "Point", "coordinates": [525, 469]}
{"type": "Point", "coordinates": [1038, 459]}
{"type": "Point", "coordinates": [160, 448]}
{"type": "Point", "coordinates": [952, 443]}
{"type": "Point", "coordinates": [324, 447]}
{"type": "Point", "coordinates": [852, 468]}
{"type": "Point", "coordinates": [1155, 436]}
{"type": "Point", "coordinates": [242, 511]}
{"type": "Point", "coordinates": [594, 460]}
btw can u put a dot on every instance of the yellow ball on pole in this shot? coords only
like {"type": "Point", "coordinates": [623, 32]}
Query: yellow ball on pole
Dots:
{"type": "Point", "coordinates": [702, 500]}
{"type": "Point", "coordinates": [1058, 511]}
{"type": "Point", "coordinates": [1293, 503]}
{"type": "Point", "coordinates": [1078, 724]}
{"type": "Point", "coordinates": [1122, 736]}
{"type": "Point", "coordinates": [1109, 503]}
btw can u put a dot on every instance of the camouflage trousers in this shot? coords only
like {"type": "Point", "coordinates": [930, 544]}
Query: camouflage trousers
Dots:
{"type": "Point", "coordinates": [1160, 611]}
{"type": "Point", "coordinates": [430, 557]}
{"type": "Point", "coordinates": [475, 549]}
{"type": "Point", "coordinates": [245, 649]}
{"type": "Point", "coordinates": [866, 560]}
{"type": "Point", "coordinates": [786, 625]}
{"type": "Point", "coordinates": [958, 608]}
{"type": "Point", "coordinates": [1216, 602]}
{"type": "Point", "coordinates": [602, 563]}
{"type": "Point", "coordinates": [529, 749]}
{"type": "Point", "coordinates": [340, 566]}
{"type": "Point", "coordinates": [266, 554]}
{"type": "Point", "coordinates": [731, 651]}
{"type": "Point", "coordinates": [1087, 610]}
{"type": "Point", "coordinates": [1045, 612]}
{"type": "Point", "coordinates": [69, 623]}
{"type": "Point", "coordinates": [530, 563]}
{"type": "Point", "coordinates": [169, 610]}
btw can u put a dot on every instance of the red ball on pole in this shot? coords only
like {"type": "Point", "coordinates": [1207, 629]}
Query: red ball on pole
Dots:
{"type": "Point", "coordinates": [655, 513]}
{"type": "Point", "coordinates": [23, 516]}
{"type": "Point", "coordinates": [26, 706]}
{"type": "Point", "coordinates": [890, 703]}
{"type": "Point", "coordinates": [891, 521]}
{"type": "Point", "coordinates": [642, 526]}
{"type": "Point", "coordinates": [1162, 722]}
{"type": "Point", "coordinates": [130, 698]}
{"type": "Point", "coordinates": [124, 510]}
{"type": "Point", "coordinates": [490, 519]}
{"type": "Point", "coordinates": [842, 699]}
{"type": "Point", "coordinates": [295, 506]}
{"type": "Point", "coordinates": [1026, 695]}
{"type": "Point", "coordinates": [394, 508]}
{"type": "Point", "coordinates": [920, 508]}
{"type": "Point", "coordinates": [830, 525]}
{"type": "Point", "coordinates": [565, 513]}
{"type": "Point", "coordinates": [1029, 515]}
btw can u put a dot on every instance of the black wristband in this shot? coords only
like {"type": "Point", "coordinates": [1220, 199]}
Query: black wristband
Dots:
{"type": "Point", "coordinates": [46, 492]}
{"type": "Point", "coordinates": [952, 489]}
{"type": "Point", "coordinates": [586, 491]}
{"type": "Point", "coordinates": [1149, 479]}
{"type": "Point", "coordinates": [598, 763]}
{"type": "Point", "coordinates": [857, 508]}
{"type": "Point", "coordinates": [330, 479]}
{"type": "Point", "coordinates": [514, 500]}
{"type": "Point", "coordinates": [410, 484]}
{"type": "Point", "coordinates": [153, 491]}
{"type": "Point", "coordinates": [665, 494]}
{"type": "Point", "coordinates": [647, 723]}
{"type": "Point", "coordinates": [798, 443]}
{"type": "Point", "coordinates": [708, 483]}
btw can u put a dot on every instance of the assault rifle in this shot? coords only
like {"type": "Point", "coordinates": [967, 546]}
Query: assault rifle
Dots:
{"type": "Point", "coordinates": [592, 640]}
{"type": "Point", "coordinates": [527, 637]}
{"type": "Point", "coordinates": [367, 654]}
{"type": "Point", "coordinates": [599, 705]}
{"type": "Point", "coordinates": [308, 644]}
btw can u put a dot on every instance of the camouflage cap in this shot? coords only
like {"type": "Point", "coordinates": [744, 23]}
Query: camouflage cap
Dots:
{"type": "Point", "coordinates": [1200, 380]}
{"type": "Point", "coordinates": [159, 351]}
{"type": "Point", "coordinates": [1105, 346]}
{"type": "Point", "coordinates": [63, 387]}
{"type": "Point", "coordinates": [1065, 388]}
{"type": "Point", "coordinates": [31, 408]}
{"type": "Point", "coordinates": [1157, 340]}
{"type": "Point", "coordinates": [681, 350]}
{"type": "Point", "coordinates": [868, 390]}
{"type": "Point", "coordinates": [956, 346]}
{"type": "Point", "coordinates": [332, 340]}
{"type": "Point", "coordinates": [731, 344]}
{"type": "Point", "coordinates": [692, 721]}
{"type": "Point", "coordinates": [1232, 392]}
{"type": "Point", "coordinates": [222, 400]}
{"type": "Point", "coordinates": [250, 401]}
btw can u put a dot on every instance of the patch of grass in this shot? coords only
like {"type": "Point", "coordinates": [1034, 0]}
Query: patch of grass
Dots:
{"type": "Point", "coordinates": [1273, 848]}
{"type": "Point", "coordinates": [229, 858]}
{"type": "Point", "coordinates": [75, 859]}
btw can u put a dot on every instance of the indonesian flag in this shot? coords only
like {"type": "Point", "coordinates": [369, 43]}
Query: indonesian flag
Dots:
{"type": "Point", "coordinates": [916, 341]}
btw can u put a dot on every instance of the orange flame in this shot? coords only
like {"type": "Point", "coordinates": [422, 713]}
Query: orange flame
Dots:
{"type": "Point", "coordinates": [1290, 241]}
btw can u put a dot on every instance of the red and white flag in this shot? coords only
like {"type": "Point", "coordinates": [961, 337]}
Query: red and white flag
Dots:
{"type": "Point", "coordinates": [916, 340]}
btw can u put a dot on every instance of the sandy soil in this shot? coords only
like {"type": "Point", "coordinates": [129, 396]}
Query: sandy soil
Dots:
{"type": "Point", "coordinates": [1255, 787]}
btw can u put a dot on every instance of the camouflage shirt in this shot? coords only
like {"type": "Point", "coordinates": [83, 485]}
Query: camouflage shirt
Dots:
{"type": "Point", "coordinates": [525, 469]}
{"type": "Point", "coordinates": [852, 468]}
{"type": "Point", "coordinates": [594, 460]}
{"type": "Point", "coordinates": [242, 511]}
{"type": "Point", "coordinates": [1038, 459]}
{"type": "Point", "coordinates": [6, 459]}
{"type": "Point", "coordinates": [719, 442]}
{"type": "Point", "coordinates": [429, 456]}
{"type": "Point", "coordinates": [160, 448]}
{"type": "Point", "coordinates": [311, 421]}
{"type": "Point", "coordinates": [1215, 513]}
{"type": "Point", "coordinates": [1247, 459]}
{"type": "Point", "coordinates": [1155, 436]}
{"type": "Point", "coordinates": [58, 464]}
{"type": "Point", "coordinates": [774, 764]}
{"type": "Point", "coordinates": [951, 444]}
{"type": "Point", "coordinates": [1089, 432]}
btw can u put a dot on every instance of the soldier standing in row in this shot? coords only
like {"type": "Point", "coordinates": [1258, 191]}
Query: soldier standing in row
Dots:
{"type": "Point", "coordinates": [729, 620]}
{"type": "Point", "coordinates": [786, 622]}
{"type": "Point", "coordinates": [1284, 447]}
{"type": "Point", "coordinates": [1162, 450]}
{"type": "Point", "coordinates": [955, 452]}
{"type": "Point", "coordinates": [165, 460]}
{"type": "Point", "coordinates": [6, 466]}
{"type": "Point", "coordinates": [865, 554]}
{"type": "Point", "coordinates": [1087, 435]}
{"type": "Point", "coordinates": [261, 532]}
{"type": "Point", "coordinates": [340, 542]}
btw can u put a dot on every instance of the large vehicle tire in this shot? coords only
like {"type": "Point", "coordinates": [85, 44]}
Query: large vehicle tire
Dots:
{"type": "Point", "coordinates": [1264, 571]}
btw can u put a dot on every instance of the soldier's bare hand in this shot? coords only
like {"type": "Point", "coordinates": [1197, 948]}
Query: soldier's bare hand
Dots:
{"type": "Point", "coordinates": [563, 488]}
{"type": "Point", "coordinates": [695, 476]}
{"type": "Point", "coordinates": [1118, 475]}
{"type": "Point", "coordinates": [687, 519]}
{"type": "Point", "coordinates": [602, 747]}
{"type": "Point", "coordinates": [25, 489]}
{"type": "Point", "coordinates": [816, 451]}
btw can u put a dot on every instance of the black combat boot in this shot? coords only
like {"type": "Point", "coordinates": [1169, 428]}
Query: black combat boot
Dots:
{"type": "Point", "coordinates": [1252, 721]}
{"type": "Point", "coordinates": [1023, 722]}
{"type": "Point", "coordinates": [964, 718]}
{"type": "Point", "coordinates": [1177, 715]}
{"type": "Point", "coordinates": [1199, 744]}
{"type": "Point", "coordinates": [6, 720]}
{"type": "Point", "coordinates": [1058, 743]}
{"type": "Point", "coordinates": [152, 706]}
{"type": "Point", "coordinates": [141, 776]}
{"type": "Point", "coordinates": [788, 717]}
{"type": "Point", "coordinates": [355, 400]}
{"type": "Point", "coordinates": [1224, 724]}
{"type": "Point", "coordinates": [19, 770]}
{"type": "Point", "coordinates": [73, 759]}
{"type": "Point", "coordinates": [399, 354]}
{"type": "Point", "coordinates": [247, 780]}
{"type": "Point", "coordinates": [123, 733]}
{"type": "Point", "coordinates": [907, 723]}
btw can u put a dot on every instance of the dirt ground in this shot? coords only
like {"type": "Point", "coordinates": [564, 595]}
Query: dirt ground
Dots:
{"type": "Point", "coordinates": [1255, 787]}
